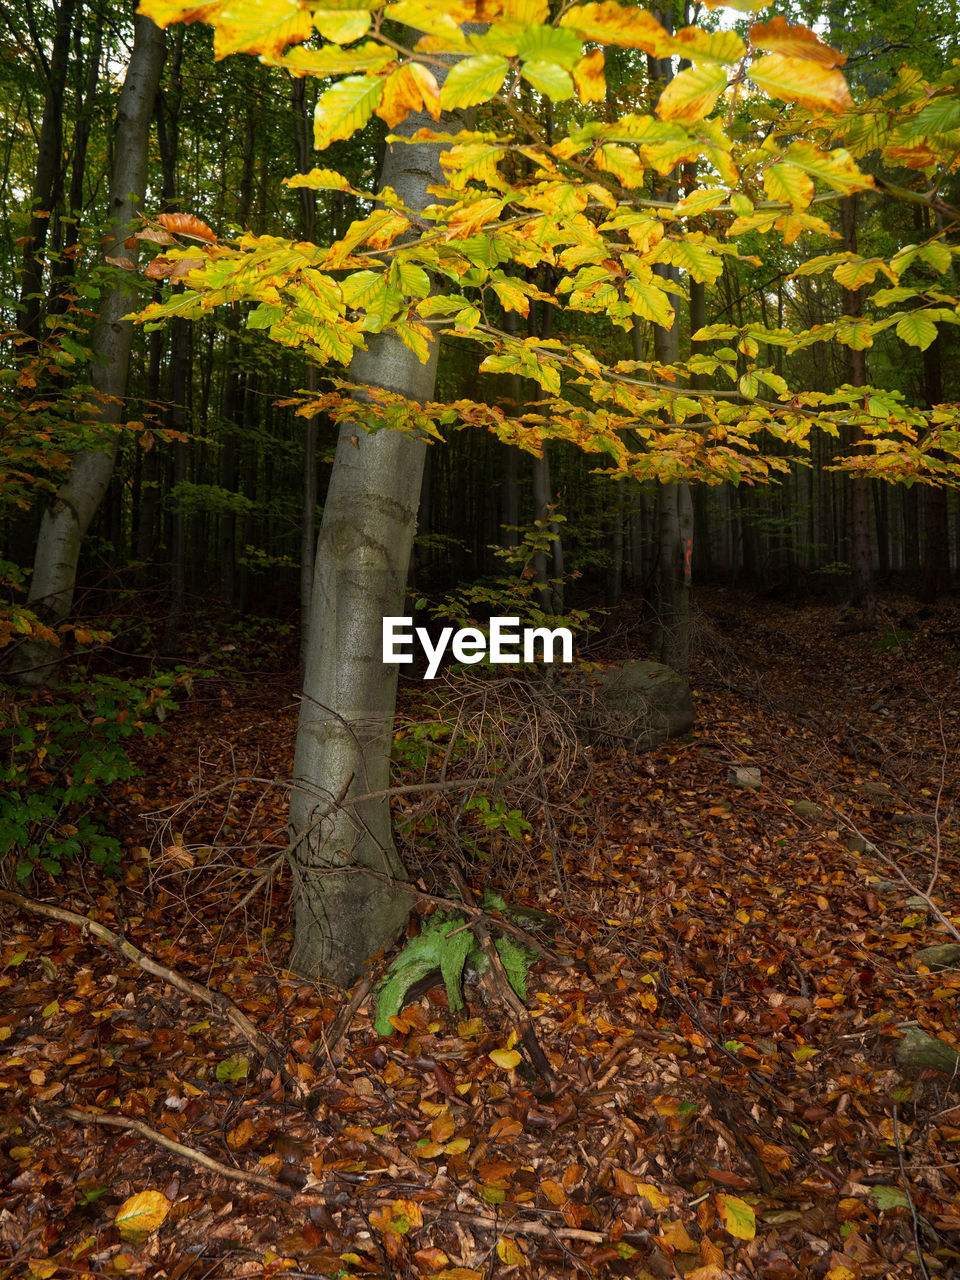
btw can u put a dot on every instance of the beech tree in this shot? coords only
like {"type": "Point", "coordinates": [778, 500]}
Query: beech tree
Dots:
{"type": "Point", "coordinates": [67, 517]}
{"type": "Point", "coordinates": [764, 132]}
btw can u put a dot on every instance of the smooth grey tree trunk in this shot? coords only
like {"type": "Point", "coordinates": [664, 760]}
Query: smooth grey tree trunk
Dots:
{"type": "Point", "coordinates": [308, 525]}
{"type": "Point", "coordinates": [342, 915]}
{"type": "Point", "coordinates": [48, 176]}
{"type": "Point", "coordinates": [68, 517]}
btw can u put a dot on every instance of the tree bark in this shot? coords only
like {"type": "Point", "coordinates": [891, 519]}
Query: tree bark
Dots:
{"type": "Point", "coordinates": [345, 734]}
{"type": "Point", "coordinates": [676, 505]}
{"type": "Point", "coordinates": [308, 533]}
{"type": "Point", "coordinates": [48, 176]}
{"type": "Point", "coordinates": [68, 517]}
{"type": "Point", "coordinates": [861, 551]}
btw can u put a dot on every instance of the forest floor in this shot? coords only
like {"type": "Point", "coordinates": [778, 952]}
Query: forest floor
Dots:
{"type": "Point", "coordinates": [732, 980]}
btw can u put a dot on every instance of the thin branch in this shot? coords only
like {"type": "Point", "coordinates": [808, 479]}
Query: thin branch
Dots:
{"type": "Point", "coordinates": [221, 1004]}
{"type": "Point", "coordinates": [178, 1149]}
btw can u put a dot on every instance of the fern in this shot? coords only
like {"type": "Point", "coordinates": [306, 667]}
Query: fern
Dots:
{"type": "Point", "coordinates": [446, 943]}
{"type": "Point", "coordinates": [443, 944]}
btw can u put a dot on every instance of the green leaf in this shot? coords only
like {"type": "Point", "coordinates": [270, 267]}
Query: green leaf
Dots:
{"type": "Point", "coordinates": [345, 108]}
{"type": "Point", "coordinates": [431, 949]}
{"type": "Point", "coordinates": [550, 44]}
{"type": "Point", "coordinates": [232, 1070]}
{"type": "Point", "coordinates": [473, 80]}
{"type": "Point", "coordinates": [889, 1198]}
{"type": "Point", "coordinates": [548, 78]}
{"type": "Point", "coordinates": [916, 330]}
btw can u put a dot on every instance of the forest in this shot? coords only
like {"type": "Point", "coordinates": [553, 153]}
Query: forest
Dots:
{"type": "Point", "coordinates": [479, 639]}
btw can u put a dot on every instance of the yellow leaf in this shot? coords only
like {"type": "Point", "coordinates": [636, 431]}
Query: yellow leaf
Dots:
{"type": "Point", "coordinates": [342, 25]}
{"type": "Point", "coordinates": [691, 94]}
{"type": "Point", "coordinates": [526, 13]}
{"type": "Point", "coordinates": [510, 1253]}
{"type": "Point", "coordinates": [261, 26]}
{"type": "Point", "coordinates": [506, 1058]}
{"type": "Point", "coordinates": [796, 42]}
{"type": "Point", "coordinates": [554, 1192]}
{"type": "Point", "coordinates": [402, 93]}
{"type": "Point", "coordinates": [737, 1216]}
{"type": "Point", "coordinates": [457, 1146]}
{"type": "Point", "coordinates": [789, 183]}
{"type": "Point", "coordinates": [319, 180]}
{"type": "Point", "coordinates": [42, 1268]}
{"type": "Point", "coordinates": [623, 163]}
{"type": "Point", "coordinates": [141, 1214]}
{"type": "Point", "coordinates": [511, 298]}
{"type": "Point", "coordinates": [332, 61]}
{"type": "Point", "coordinates": [345, 108]}
{"type": "Point", "coordinates": [801, 80]}
{"type": "Point", "coordinates": [610, 23]}
{"type": "Point", "coordinates": [649, 1192]}
{"type": "Point", "coordinates": [429, 89]}
{"type": "Point", "coordinates": [591, 83]}
{"type": "Point", "coordinates": [708, 46]}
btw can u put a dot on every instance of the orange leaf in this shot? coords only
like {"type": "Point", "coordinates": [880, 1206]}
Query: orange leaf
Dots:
{"type": "Point", "coordinates": [589, 78]}
{"type": "Point", "coordinates": [675, 1235]}
{"type": "Point", "coordinates": [553, 1191]}
{"type": "Point", "coordinates": [185, 224]}
{"type": "Point", "coordinates": [401, 95]}
{"type": "Point", "coordinates": [505, 1127]}
{"type": "Point", "coordinates": [796, 42]}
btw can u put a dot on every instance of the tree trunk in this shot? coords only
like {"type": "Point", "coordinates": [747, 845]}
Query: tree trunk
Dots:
{"type": "Point", "coordinates": [676, 506]}
{"type": "Point", "coordinates": [345, 734]}
{"type": "Point", "coordinates": [68, 517]}
{"type": "Point", "coordinates": [48, 176]}
{"type": "Point", "coordinates": [861, 553]}
{"type": "Point", "coordinates": [308, 224]}
{"type": "Point", "coordinates": [936, 525]}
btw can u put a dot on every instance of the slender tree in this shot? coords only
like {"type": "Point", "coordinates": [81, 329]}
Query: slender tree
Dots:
{"type": "Point", "coordinates": [67, 517]}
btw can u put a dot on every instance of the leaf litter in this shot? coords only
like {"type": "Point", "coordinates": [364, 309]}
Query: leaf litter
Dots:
{"type": "Point", "coordinates": [722, 1034]}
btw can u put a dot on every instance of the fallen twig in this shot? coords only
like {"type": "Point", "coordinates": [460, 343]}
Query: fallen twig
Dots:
{"type": "Point", "coordinates": [185, 1153]}
{"type": "Point", "coordinates": [500, 986]}
{"type": "Point", "coordinates": [268, 1050]}
{"type": "Point", "coordinates": [338, 1027]}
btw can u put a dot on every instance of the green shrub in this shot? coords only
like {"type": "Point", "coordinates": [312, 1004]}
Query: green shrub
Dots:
{"type": "Point", "coordinates": [59, 750]}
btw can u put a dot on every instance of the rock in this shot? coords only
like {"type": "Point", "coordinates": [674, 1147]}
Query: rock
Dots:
{"type": "Point", "coordinates": [857, 844]}
{"type": "Point", "coordinates": [745, 776]}
{"type": "Point", "coordinates": [636, 705]}
{"type": "Point", "coordinates": [885, 886]}
{"type": "Point", "coordinates": [944, 956]}
{"type": "Point", "coordinates": [807, 809]}
{"type": "Point", "coordinates": [919, 1052]}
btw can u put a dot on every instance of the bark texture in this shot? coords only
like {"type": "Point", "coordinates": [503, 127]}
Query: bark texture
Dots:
{"type": "Point", "coordinates": [67, 518]}
{"type": "Point", "coordinates": [343, 915]}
